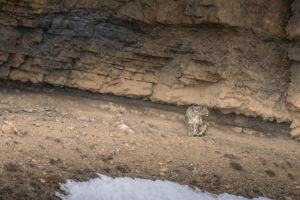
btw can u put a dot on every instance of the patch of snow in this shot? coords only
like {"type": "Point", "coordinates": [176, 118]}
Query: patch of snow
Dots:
{"type": "Point", "coordinates": [107, 188]}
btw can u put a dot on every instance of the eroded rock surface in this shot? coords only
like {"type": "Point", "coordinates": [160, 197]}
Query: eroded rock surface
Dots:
{"type": "Point", "coordinates": [235, 56]}
{"type": "Point", "coordinates": [293, 31]}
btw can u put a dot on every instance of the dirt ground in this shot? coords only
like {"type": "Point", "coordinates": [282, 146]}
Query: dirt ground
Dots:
{"type": "Point", "coordinates": [69, 134]}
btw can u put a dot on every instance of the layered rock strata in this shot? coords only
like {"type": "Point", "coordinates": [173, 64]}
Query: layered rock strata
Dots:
{"type": "Point", "coordinates": [293, 97]}
{"type": "Point", "coordinates": [235, 56]}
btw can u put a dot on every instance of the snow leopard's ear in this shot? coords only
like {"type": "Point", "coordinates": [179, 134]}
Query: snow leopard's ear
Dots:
{"type": "Point", "coordinates": [204, 110]}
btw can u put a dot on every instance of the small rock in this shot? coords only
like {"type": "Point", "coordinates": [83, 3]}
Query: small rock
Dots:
{"type": "Point", "coordinates": [237, 129]}
{"type": "Point", "coordinates": [123, 168]}
{"type": "Point", "coordinates": [107, 170]}
{"type": "Point", "coordinates": [164, 169]}
{"type": "Point", "coordinates": [83, 118]}
{"type": "Point", "coordinates": [291, 176]}
{"type": "Point", "coordinates": [227, 186]}
{"type": "Point", "coordinates": [230, 156]}
{"type": "Point", "coordinates": [190, 168]}
{"type": "Point", "coordinates": [36, 125]}
{"type": "Point", "coordinates": [162, 116]}
{"type": "Point", "coordinates": [4, 101]}
{"type": "Point", "coordinates": [32, 119]}
{"type": "Point", "coordinates": [93, 120]}
{"type": "Point", "coordinates": [270, 173]}
{"type": "Point", "coordinates": [29, 110]}
{"type": "Point", "coordinates": [106, 158]}
{"type": "Point", "coordinates": [295, 133]}
{"type": "Point", "coordinates": [54, 161]}
{"type": "Point", "coordinates": [57, 140]}
{"type": "Point", "coordinates": [195, 171]}
{"type": "Point", "coordinates": [83, 133]}
{"type": "Point", "coordinates": [42, 180]}
{"type": "Point", "coordinates": [9, 128]}
{"type": "Point", "coordinates": [48, 118]}
{"type": "Point", "coordinates": [249, 131]}
{"type": "Point", "coordinates": [70, 128]}
{"type": "Point", "coordinates": [236, 166]}
{"type": "Point", "coordinates": [126, 144]}
{"type": "Point", "coordinates": [84, 126]}
{"type": "Point", "coordinates": [126, 128]}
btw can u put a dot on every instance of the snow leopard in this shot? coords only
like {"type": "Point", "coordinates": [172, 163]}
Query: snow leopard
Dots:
{"type": "Point", "coordinates": [194, 122]}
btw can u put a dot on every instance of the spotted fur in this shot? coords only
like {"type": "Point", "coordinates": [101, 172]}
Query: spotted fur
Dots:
{"type": "Point", "coordinates": [194, 121]}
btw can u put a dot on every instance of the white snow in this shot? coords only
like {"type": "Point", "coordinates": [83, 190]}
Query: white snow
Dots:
{"type": "Point", "coordinates": [107, 188]}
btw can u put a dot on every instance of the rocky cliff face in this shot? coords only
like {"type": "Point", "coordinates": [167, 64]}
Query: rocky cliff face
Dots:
{"type": "Point", "coordinates": [236, 56]}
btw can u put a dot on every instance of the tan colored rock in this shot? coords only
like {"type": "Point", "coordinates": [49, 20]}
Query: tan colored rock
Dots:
{"type": "Point", "coordinates": [67, 55]}
{"type": "Point", "coordinates": [126, 128]}
{"type": "Point", "coordinates": [58, 78]}
{"type": "Point", "coordinates": [200, 71]}
{"type": "Point", "coordinates": [295, 126]}
{"type": "Point", "coordinates": [296, 120]}
{"type": "Point", "coordinates": [227, 12]}
{"type": "Point", "coordinates": [150, 77]}
{"type": "Point", "coordinates": [218, 95]}
{"type": "Point", "coordinates": [249, 131]}
{"type": "Point", "coordinates": [9, 128]}
{"type": "Point", "coordinates": [129, 88]}
{"type": "Point", "coordinates": [26, 76]}
{"type": "Point", "coordinates": [237, 129]}
{"type": "Point", "coordinates": [86, 81]}
{"type": "Point", "coordinates": [295, 133]}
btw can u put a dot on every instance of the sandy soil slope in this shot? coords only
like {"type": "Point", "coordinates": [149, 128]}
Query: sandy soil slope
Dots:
{"type": "Point", "coordinates": [68, 134]}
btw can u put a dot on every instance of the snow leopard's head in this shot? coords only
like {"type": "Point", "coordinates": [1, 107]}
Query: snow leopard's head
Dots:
{"type": "Point", "coordinates": [200, 110]}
